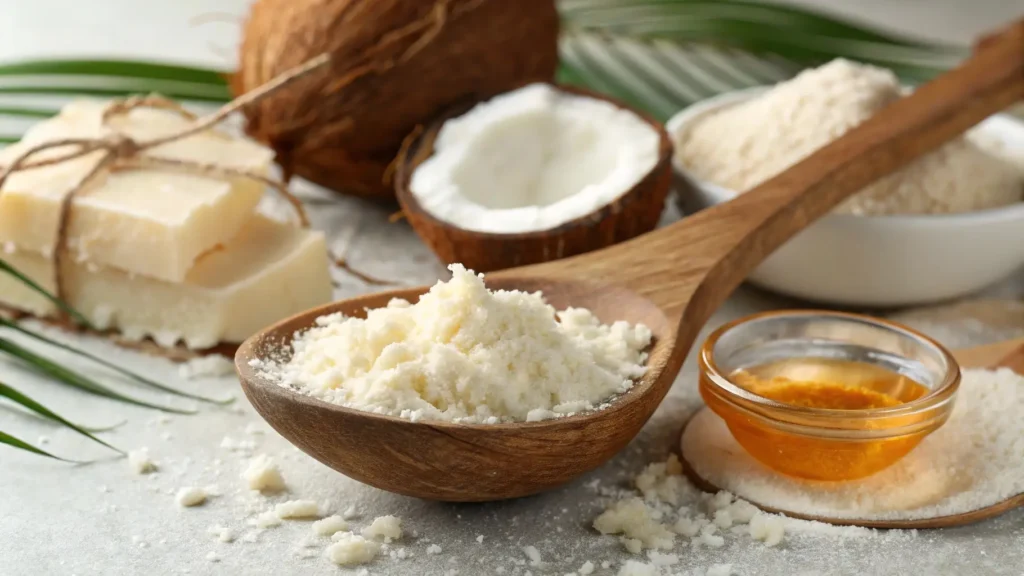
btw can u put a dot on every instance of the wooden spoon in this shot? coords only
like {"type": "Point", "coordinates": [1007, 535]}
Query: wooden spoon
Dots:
{"type": "Point", "coordinates": [1009, 354]}
{"type": "Point", "coordinates": [670, 280]}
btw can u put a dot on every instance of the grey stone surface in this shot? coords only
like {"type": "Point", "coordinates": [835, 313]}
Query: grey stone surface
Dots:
{"type": "Point", "coordinates": [101, 519]}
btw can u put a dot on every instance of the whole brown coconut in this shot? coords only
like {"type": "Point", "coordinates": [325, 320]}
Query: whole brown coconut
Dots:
{"type": "Point", "coordinates": [396, 64]}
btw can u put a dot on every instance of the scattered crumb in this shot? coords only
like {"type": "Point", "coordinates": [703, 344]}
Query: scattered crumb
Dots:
{"type": "Point", "coordinates": [349, 549]}
{"type": "Point", "coordinates": [387, 527]}
{"type": "Point", "coordinates": [329, 525]}
{"type": "Point", "coordinates": [723, 519]}
{"type": "Point", "coordinates": [742, 511]}
{"type": "Point", "coordinates": [212, 366]}
{"type": "Point", "coordinates": [433, 549]}
{"type": "Point", "coordinates": [190, 496]}
{"type": "Point", "coordinates": [632, 518]}
{"type": "Point", "coordinates": [690, 527]}
{"type": "Point", "coordinates": [709, 538]}
{"type": "Point", "coordinates": [267, 519]}
{"type": "Point", "coordinates": [263, 475]}
{"type": "Point", "coordinates": [534, 555]}
{"type": "Point", "coordinates": [586, 569]}
{"type": "Point", "coordinates": [663, 481]}
{"type": "Point", "coordinates": [632, 545]}
{"type": "Point", "coordinates": [767, 527]}
{"type": "Point", "coordinates": [297, 509]}
{"type": "Point", "coordinates": [350, 513]}
{"type": "Point", "coordinates": [400, 554]}
{"type": "Point", "coordinates": [140, 462]}
{"type": "Point", "coordinates": [222, 533]}
{"type": "Point", "coordinates": [480, 539]}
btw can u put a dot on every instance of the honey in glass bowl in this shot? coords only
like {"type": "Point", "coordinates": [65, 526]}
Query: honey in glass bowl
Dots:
{"type": "Point", "coordinates": [824, 395]}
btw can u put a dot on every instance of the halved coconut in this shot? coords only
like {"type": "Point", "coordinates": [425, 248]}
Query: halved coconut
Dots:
{"type": "Point", "coordinates": [533, 175]}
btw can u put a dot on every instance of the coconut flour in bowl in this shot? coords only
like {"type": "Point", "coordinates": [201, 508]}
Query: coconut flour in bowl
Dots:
{"type": "Point", "coordinates": [466, 354]}
{"type": "Point", "coordinates": [743, 145]}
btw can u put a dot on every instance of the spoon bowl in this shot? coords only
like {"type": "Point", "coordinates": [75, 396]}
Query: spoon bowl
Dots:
{"type": "Point", "coordinates": [671, 280]}
{"type": "Point", "coordinates": [464, 462]}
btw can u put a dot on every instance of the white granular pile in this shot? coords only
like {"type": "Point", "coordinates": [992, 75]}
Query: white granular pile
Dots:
{"type": "Point", "coordinates": [973, 461]}
{"type": "Point", "coordinates": [466, 354]}
{"type": "Point", "coordinates": [746, 144]}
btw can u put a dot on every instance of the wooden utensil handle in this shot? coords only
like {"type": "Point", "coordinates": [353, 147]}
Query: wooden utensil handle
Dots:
{"type": "Point", "coordinates": [697, 262]}
{"type": "Point", "coordinates": [1008, 354]}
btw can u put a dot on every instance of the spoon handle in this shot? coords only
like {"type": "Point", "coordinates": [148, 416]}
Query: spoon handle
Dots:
{"type": "Point", "coordinates": [690, 267]}
{"type": "Point", "coordinates": [1008, 354]}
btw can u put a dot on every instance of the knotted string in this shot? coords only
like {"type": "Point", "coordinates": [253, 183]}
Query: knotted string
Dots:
{"type": "Point", "coordinates": [121, 152]}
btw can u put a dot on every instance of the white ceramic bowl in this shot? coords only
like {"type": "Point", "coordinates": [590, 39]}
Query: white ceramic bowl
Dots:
{"type": "Point", "coordinates": [879, 261]}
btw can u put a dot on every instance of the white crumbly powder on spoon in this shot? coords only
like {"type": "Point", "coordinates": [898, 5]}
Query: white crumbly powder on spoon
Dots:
{"type": "Point", "coordinates": [973, 461]}
{"type": "Point", "coordinates": [744, 145]}
{"type": "Point", "coordinates": [466, 354]}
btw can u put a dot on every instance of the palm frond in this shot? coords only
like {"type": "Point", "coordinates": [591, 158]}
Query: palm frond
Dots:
{"type": "Point", "coordinates": [115, 68]}
{"type": "Point", "coordinates": [107, 364]}
{"type": "Point", "coordinates": [662, 55]}
{"type": "Point", "coordinates": [19, 398]}
{"type": "Point", "coordinates": [9, 440]}
{"type": "Point", "coordinates": [74, 379]}
{"type": "Point", "coordinates": [24, 279]}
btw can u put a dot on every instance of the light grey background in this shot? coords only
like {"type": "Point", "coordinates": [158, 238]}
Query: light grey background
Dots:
{"type": "Point", "coordinates": [102, 520]}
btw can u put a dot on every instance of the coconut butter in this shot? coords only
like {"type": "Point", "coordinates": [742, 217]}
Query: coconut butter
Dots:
{"type": "Point", "coordinates": [177, 256]}
{"type": "Point", "coordinates": [147, 222]}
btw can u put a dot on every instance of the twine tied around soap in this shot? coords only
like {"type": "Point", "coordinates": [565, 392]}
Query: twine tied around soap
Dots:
{"type": "Point", "coordinates": [121, 152]}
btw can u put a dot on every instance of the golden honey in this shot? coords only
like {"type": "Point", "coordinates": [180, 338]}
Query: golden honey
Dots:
{"type": "Point", "coordinates": [840, 391]}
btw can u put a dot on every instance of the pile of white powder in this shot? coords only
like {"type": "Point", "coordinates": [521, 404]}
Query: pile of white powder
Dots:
{"type": "Point", "coordinates": [466, 354]}
{"type": "Point", "coordinates": [741, 146]}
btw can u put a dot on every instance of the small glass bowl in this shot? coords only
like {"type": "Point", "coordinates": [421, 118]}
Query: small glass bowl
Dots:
{"type": "Point", "coordinates": [826, 444]}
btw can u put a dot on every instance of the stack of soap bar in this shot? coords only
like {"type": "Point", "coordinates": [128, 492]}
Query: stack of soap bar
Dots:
{"type": "Point", "coordinates": [165, 254]}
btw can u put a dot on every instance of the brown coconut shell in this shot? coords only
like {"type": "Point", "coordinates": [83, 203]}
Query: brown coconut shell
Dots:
{"type": "Point", "coordinates": [396, 64]}
{"type": "Point", "coordinates": [635, 212]}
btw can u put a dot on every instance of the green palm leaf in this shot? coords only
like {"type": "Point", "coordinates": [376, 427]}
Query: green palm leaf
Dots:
{"type": "Point", "coordinates": [110, 365]}
{"type": "Point", "coordinates": [114, 89]}
{"type": "Point", "coordinates": [6, 438]}
{"type": "Point", "coordinates": [74, 379]}
{"type": "Point", "coordinates": [15, 396]}
{"type": "Point", "coordinates": [21, 277]}
{"type": "Point", "coordinates": [774, 15]}
{"type": "Point", "coordinates": [662, 55]}
{"type": "Point", "coordinates": [114, 68]}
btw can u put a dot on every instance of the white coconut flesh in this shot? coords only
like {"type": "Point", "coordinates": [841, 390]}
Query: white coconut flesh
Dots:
{"type": "Point", "coordinates": [533, 159]}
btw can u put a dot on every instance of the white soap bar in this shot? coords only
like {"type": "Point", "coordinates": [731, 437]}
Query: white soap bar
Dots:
{"type": "Point", "coordinates": [153, 223]}
{"type": "Point", "coordinates": [268, 272]}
